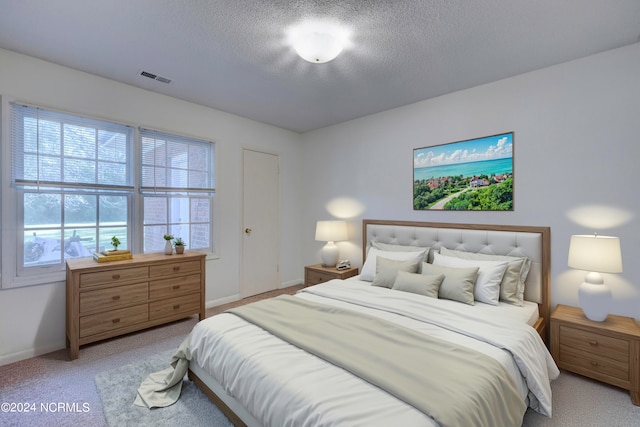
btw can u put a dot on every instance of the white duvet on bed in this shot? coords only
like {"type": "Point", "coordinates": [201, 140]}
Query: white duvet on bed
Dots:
{"type": "Point", "coordinates": [282, 385]}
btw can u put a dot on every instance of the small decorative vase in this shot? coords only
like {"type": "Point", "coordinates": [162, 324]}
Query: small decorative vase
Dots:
{"type": "Point", "coordinates": [168, 249]}
{"type": "Point", "coordinates": [179, 249]}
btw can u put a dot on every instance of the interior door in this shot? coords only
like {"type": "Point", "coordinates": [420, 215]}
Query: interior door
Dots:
{"type": "Point", "coordinates": [261, 224]}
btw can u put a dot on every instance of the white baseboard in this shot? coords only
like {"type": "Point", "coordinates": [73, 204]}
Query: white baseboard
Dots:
{"type": "Point", "coordinates": [29, 353]}
{"type": "Point", "coordinates": [291, 283]}
{"type": "Point", "coordinates": [220, 301]}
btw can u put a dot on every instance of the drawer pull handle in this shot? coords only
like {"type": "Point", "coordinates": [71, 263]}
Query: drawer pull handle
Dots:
{"type": "Point", "coordinates": [116, 297]}
{"type": "Point", "coordinates": [594, 363]}
{"type": "Point", "coordinates": [176, 268]}
{"type": "Point", "coordinates": [177, 306]}
{"type": "Point", "coordinates": [176, 287]}
{"type": "Point", "coordinates": [116, 320]}
{"type": "Point", "coordinates": [593, 343]}
{"type": "Point", "coordinates": [115, 276]}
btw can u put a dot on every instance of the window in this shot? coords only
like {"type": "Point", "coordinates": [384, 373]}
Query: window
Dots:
{"type": "Point", "coordinates": [74, 184]}
{"type": "Point", "coordinates": [177, 188]}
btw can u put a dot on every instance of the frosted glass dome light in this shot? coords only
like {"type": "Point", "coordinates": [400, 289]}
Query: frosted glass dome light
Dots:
{"type": "Point", "coordinates": [318, 47]}
{"type": "Point", "coordinates": [318, 43]}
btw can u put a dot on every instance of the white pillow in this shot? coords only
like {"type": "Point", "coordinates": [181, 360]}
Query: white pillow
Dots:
{"type": "Point", "coordinates": [512, 285]}
{"type": "Point", "coordinates": [487, 288]}
{"type": "Point", "coordinates": [369, 267]}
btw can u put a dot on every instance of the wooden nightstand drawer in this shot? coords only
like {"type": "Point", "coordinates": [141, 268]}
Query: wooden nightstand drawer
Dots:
{"type": "Point", "coordinates": [593, 364]}
{"type": "Point", "coordinates": [113, 276]}
{"type": "Point", "coordinates": [115, 319]}
{"type": "Point", "coordinates": [108, 298]}
{"type": "Point", "coordinates": [596, 344]}
{"type": "Point", "coordinates": [317, 277]}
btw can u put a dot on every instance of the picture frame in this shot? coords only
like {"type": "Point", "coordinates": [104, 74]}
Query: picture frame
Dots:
{"type": "Point", "coordinates": [469, 175]}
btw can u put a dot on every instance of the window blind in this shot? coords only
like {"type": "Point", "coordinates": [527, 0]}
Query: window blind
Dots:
{"type": "Point", "coordinates": [54, 150]}
{"type": "Point", "coordinates": [174, 164]}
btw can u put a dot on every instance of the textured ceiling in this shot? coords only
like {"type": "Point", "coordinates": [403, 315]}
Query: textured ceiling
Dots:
{"type": "Point", "coordinates": [234, 56]}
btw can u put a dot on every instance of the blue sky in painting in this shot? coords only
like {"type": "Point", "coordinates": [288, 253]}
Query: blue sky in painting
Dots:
{"type": "Point", "coordinates": [474, 150]}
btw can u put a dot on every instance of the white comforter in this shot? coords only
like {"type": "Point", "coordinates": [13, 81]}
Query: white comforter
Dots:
{"type": "Point", "coordinates": [282, 385]}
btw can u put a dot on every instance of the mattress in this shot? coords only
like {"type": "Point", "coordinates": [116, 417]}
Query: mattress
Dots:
{"type": "Point", "coordinates": [282, 385]}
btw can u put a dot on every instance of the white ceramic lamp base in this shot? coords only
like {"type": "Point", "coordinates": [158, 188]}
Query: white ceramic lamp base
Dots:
{"type": "Point", "coordinates": [595, 297]}
{"type": "Point", "coordinates": [330, 255]}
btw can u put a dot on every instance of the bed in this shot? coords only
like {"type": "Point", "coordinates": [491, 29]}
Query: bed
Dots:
{"type": "Point", "coordinates": [257, 378]}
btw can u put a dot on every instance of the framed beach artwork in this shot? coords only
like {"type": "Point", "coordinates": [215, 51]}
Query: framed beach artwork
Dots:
{"type": "Point", "coordinates": [471, 175]}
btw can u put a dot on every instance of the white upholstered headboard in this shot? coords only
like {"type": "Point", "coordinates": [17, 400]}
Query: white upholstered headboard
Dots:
{"type": "Point", "coordinates": [529, 241]}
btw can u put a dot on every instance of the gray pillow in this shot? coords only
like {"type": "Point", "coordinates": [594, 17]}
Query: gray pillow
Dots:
{"type": "Point", "coordinates": [422, 284]}
{"type": "Point", "coordinates": [512, 285]}
{"type": "Point", "coordinates": [387, 270]}
{"type": "Point", "coordinates": [457, 284]}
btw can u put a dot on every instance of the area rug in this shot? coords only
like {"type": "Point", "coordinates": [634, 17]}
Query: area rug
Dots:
{"type": "Point", "coordinates": [117, 389]}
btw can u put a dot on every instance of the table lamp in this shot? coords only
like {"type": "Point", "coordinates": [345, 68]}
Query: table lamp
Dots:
{"type": "Point", "coordinates": [596, 254]}
{"type": "Point", "coordinates": [330, 232]}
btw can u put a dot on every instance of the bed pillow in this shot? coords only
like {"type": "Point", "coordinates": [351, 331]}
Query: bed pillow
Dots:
{"type": "Point", "coordinates": [369, 267]}
{"type": "Point", "coordinates": [387, 270]}
{"type": "Point", "coordinates": [457, 284]}
{"type": "Point", "coordinates": [400, 248]}
{"type": "Point", "coordinates": [512, 285]}
{"type": "Point", "coordinates": [490, 273]}
{"type": "Point", "coordinates": [422, 284]}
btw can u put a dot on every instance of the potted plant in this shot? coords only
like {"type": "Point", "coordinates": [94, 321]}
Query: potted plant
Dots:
{"type": "Point", "coordinates": [115, 242]}
{"type": "Point", "coordinates": [179, 244]}
{"type": "Point", "coordinates": [168, 249]}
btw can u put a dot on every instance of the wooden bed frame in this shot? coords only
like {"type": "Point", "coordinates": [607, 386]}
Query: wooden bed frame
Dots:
{"type": "Point", "coordinates": [399, 232]}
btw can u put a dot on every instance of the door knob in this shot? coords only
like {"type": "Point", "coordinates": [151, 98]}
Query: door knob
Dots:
{"type": "Point", "coordinates": [247, 230]}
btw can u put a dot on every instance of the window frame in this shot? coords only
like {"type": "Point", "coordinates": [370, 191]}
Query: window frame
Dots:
{"type": "Point", "coordinates": [12, 211]}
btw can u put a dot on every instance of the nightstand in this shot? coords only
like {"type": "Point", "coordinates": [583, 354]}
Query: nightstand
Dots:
{"type": "Point", "coordinates": [606, 351]}
{"type": "Point", "coordinates": [315, 274]}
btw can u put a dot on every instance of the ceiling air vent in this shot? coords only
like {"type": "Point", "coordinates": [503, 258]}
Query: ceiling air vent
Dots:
{"type": "Point", "coordinates": [155, 77]}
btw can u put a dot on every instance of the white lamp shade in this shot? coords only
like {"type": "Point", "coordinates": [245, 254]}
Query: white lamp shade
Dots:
{"type": "Point", "coordinates": [595, 253]}
{"type": "Point", "coordinates": [331, 231]}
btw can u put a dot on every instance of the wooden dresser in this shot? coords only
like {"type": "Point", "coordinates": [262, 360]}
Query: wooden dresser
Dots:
{"type": "Point", "coordinates": [108, 299]}
{"type": "Point", "coordinates": [607, 351]}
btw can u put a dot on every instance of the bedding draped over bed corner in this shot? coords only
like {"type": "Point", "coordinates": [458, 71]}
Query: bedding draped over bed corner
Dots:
{"type": "Point", "coordinates": [375, 350]}
{"type": "Point", "coordinates": [163, 388]}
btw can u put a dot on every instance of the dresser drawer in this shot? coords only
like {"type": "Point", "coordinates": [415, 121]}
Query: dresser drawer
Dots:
{"type": "Point", "coordinates": [593, 364]}
{"type": "Point", "coordinates": [167, 288]}
{"type": "Point", "coordinates": [174, 268]}
{"type": "Point", "coordinates": [595, 344]}
{"type": "Point", "coordinates": [113, 297]}
{"type": "Point", "coordinates": [119, 318]}
{"type": "Point", "coordinates": [113, 276]}
{"type": "Point", "coordinates": [187, 304]}
{"type": "Point", "coordinates": [316, 277]}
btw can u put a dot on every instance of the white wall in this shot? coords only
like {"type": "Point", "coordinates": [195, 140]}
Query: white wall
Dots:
{"type": "Point", "coordinates": [32, 319]}
{"type": "Point", "coordinates": [577, 131]}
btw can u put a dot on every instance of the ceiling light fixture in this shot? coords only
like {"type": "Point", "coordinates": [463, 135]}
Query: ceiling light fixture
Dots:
{"type": "Point", "coordinates": [317, 42]}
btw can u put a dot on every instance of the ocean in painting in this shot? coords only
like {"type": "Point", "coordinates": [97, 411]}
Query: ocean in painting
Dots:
{"type": "Point", "coordinates": [486, 167]}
